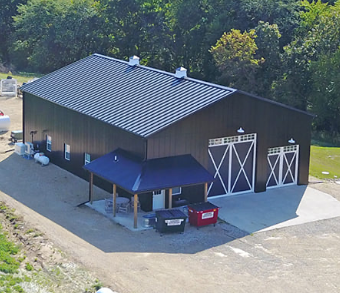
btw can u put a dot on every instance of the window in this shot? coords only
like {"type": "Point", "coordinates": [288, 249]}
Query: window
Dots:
{"type": "Point", "coordinates": [176, 190]}
{"type": "Point", "coordinates": [48, 143]}
{"type": "Point", "coordinates": [231, 139]}
{"type": "Point", "coordinates": [67, 149]}
{"type": "Point", "coordinates": [87, 158]}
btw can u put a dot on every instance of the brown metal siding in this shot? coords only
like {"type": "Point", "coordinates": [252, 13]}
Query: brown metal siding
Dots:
{"type": "Point", "coordinates": [274, 125]}
{"type": "Point", "coordinates": [81, 132]}
{"type": "Point", "coordinates": [193, 194]}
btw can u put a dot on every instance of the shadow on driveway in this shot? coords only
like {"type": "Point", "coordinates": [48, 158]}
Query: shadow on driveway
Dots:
{"type": "Point", "coordinates": [253, 212]}
{"type": "Point", "coordinates": [277, 208]}
{"type": "Point", "coordinates": [55, 194]}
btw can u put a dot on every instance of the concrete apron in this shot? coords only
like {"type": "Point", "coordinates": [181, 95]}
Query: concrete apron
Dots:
{"type": "Point", "coordinates": [276, 208]}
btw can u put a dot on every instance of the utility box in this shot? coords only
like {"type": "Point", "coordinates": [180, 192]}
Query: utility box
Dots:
{"type": "Point", "coordinates": [202, 214]}
{"type": "Point", "coordinates": [19, 148]}
{"type": "Point", "coordinates": [8, 87]}
{"type": "Point", "coordinates": [169, 221]}
{"type": "Point", "coordinates": [16, 135]}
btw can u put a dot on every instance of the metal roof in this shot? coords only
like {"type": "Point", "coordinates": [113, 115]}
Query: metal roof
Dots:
{"type": "Point", "coordinates": [138, 176]}
{"type": "Point", "coordinates": [138, 99]}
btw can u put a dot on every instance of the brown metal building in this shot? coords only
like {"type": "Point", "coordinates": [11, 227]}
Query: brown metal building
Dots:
{"type": "Point", "coordinates": [100, 104]}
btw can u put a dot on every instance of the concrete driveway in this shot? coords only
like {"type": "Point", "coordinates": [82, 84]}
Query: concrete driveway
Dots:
{"type": "Point", "coordinates": [300, 258]}
{"type": "Point", "coordinates": [277, 208]}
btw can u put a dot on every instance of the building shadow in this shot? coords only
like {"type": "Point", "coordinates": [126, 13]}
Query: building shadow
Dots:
{"type": "Point", "coordinates": [58, 196]}
{"type": "Point", "coordinates": [253, 212]}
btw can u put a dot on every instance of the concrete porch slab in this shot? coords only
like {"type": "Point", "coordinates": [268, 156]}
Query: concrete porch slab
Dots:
{"type": "Point", "coordinates": [124, 219]}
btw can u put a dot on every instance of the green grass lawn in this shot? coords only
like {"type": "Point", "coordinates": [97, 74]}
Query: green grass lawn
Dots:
{"type": "Point", "coordinates": [9, 265]}
{"type": "Point", "coordinates": [24, 77]}
{"type": "Point", "coordinates": [325, 159]}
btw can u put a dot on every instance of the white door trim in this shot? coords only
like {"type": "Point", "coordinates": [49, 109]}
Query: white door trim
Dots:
{"type": "Point", "coordinates": [230, 143]}
{"type": "Point", "coordinates": [158, 199]}
{"type": "Point", "coordinates": [281, 153]}
{"type": "Point", "coordinates": [251, 186]}
{"type": "Point", "coordinates": [217, 173]}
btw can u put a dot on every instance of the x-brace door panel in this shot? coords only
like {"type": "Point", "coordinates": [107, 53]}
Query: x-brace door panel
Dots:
{"type": "Point", "coordinates": [232, 160]}
{"type": "Point", "coordinates": [219, 157]}
{"type": "Point", "coordinates": [243, 167]}
{"type": "Point", "coordinates": [282, 166]}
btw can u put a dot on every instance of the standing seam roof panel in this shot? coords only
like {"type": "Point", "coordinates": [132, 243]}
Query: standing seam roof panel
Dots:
{"type": "Point", "coordinates": [138, 99]}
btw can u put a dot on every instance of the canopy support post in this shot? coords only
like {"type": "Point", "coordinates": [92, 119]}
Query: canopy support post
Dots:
{"type": "Point", "coordinates": [135, 202]}
{"type": "Point", "coordinates": [170, 198]}
{"type": "Point", "coordinates": [91, 188]}
{"type": "Point", "coordinates": [206, 191]}
{"type": "Point", "coordinates": [114, 202]}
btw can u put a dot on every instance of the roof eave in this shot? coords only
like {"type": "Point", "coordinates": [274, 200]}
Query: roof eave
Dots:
{"type": "Point", "coordinates": [276, 103]}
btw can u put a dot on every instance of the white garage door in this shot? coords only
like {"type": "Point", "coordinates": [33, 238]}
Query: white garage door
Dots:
{"type": "Point", "coordinates": [232, 161]}
{"type": "Point", "coordinates": [282, 166]}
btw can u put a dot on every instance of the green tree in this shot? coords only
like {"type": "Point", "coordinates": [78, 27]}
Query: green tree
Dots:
{"type": "Point", "coordinates": [187, 22]}
{"type": "Point", "coordinates": [235, 57]}
{"type": "Point", "coordinates": [137, 27]}
{"type": "Point", "coordinates": [8, 9]}
{"type": "Point", "coordinates": [284, 13]}
{"type": "Point", "coordinates": [325, 93]}
{"type": "Point", "coordinates": [311, 13]}
{"type": "Point", "coordinates": [318, 35]}
{"type": "Point", "coordinates": [268, 43]}
{"type": "Point", "coordinates": [51, 34]}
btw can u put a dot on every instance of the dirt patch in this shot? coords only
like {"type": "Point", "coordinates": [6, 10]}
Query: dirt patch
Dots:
{"type": "Point", "coordinates": [48, 267]}
{"type": "Point", "coordinates": [53, 270]}
{"type": "Point", "coordinates": [13, 108]}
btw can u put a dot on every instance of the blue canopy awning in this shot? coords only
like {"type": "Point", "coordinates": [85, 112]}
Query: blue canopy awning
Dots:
{"type": "Point", "coordinates": [138, 176]}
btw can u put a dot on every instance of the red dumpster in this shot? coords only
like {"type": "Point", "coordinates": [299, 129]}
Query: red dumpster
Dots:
{"type": "Point", "coordinates": [201, 214]}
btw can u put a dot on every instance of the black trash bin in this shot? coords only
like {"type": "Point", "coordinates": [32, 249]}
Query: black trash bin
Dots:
{"type": "Point", "coordinates": [170, 221]}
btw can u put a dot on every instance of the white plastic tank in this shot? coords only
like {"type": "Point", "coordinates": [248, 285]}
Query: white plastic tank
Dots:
{"type": "Point", "coordinates": [39, 157]}
{"type": "Point", "coordinates": [4, 123]}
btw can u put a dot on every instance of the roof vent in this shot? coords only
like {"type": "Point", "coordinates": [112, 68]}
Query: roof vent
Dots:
{"type": "Point", "coordinates": [181, 72]}
{"type": "Point", "coordinates": [134, 60]}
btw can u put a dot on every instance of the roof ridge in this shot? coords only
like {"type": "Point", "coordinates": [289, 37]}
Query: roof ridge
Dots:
{"type": "Point", "coordinates": [127, 96]}
{"type": "Point", "coordinates": [169, 73]}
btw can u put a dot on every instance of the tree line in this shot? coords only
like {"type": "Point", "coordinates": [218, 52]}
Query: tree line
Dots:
{"type": "Point", "coordinates": [287, 50]}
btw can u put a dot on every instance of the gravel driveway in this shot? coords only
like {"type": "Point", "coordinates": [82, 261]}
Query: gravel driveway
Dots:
{"type": "Point", "coordinates": [302, 258]}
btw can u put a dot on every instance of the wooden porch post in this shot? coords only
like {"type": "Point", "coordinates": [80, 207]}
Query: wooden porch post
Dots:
{"type": "Point", "coordinates": [170, 198]}
{"type": "Point", "coordinates": [91, 188]}
{"type": "Point", "coordinates": [135, 201]}
{"type": "Point", "coordinates": [114, 199]}
{"type": "Point", "coordinates": [206, 192]}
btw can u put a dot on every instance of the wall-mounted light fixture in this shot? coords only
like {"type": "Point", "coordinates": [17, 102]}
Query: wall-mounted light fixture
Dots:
{"type": "Point", "coordinates": [291, 140]}
{"type": "Point", "coordinates": [32, 132]}
{"type": "Point", "coordinates": [240, 130]}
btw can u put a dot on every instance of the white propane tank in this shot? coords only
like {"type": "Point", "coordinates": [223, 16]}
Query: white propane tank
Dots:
{"type": "Point", "coordinates": [4, 123]}
{"type": "Point", "coordinates": [105, 290]}
{"type": "Point", "coordinates": [39, 157]}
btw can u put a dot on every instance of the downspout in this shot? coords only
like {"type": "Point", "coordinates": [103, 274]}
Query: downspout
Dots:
{"type": "Point", "coordinates": [146, 150]}
{"type": "Point", "coordinates": [23, 117]}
